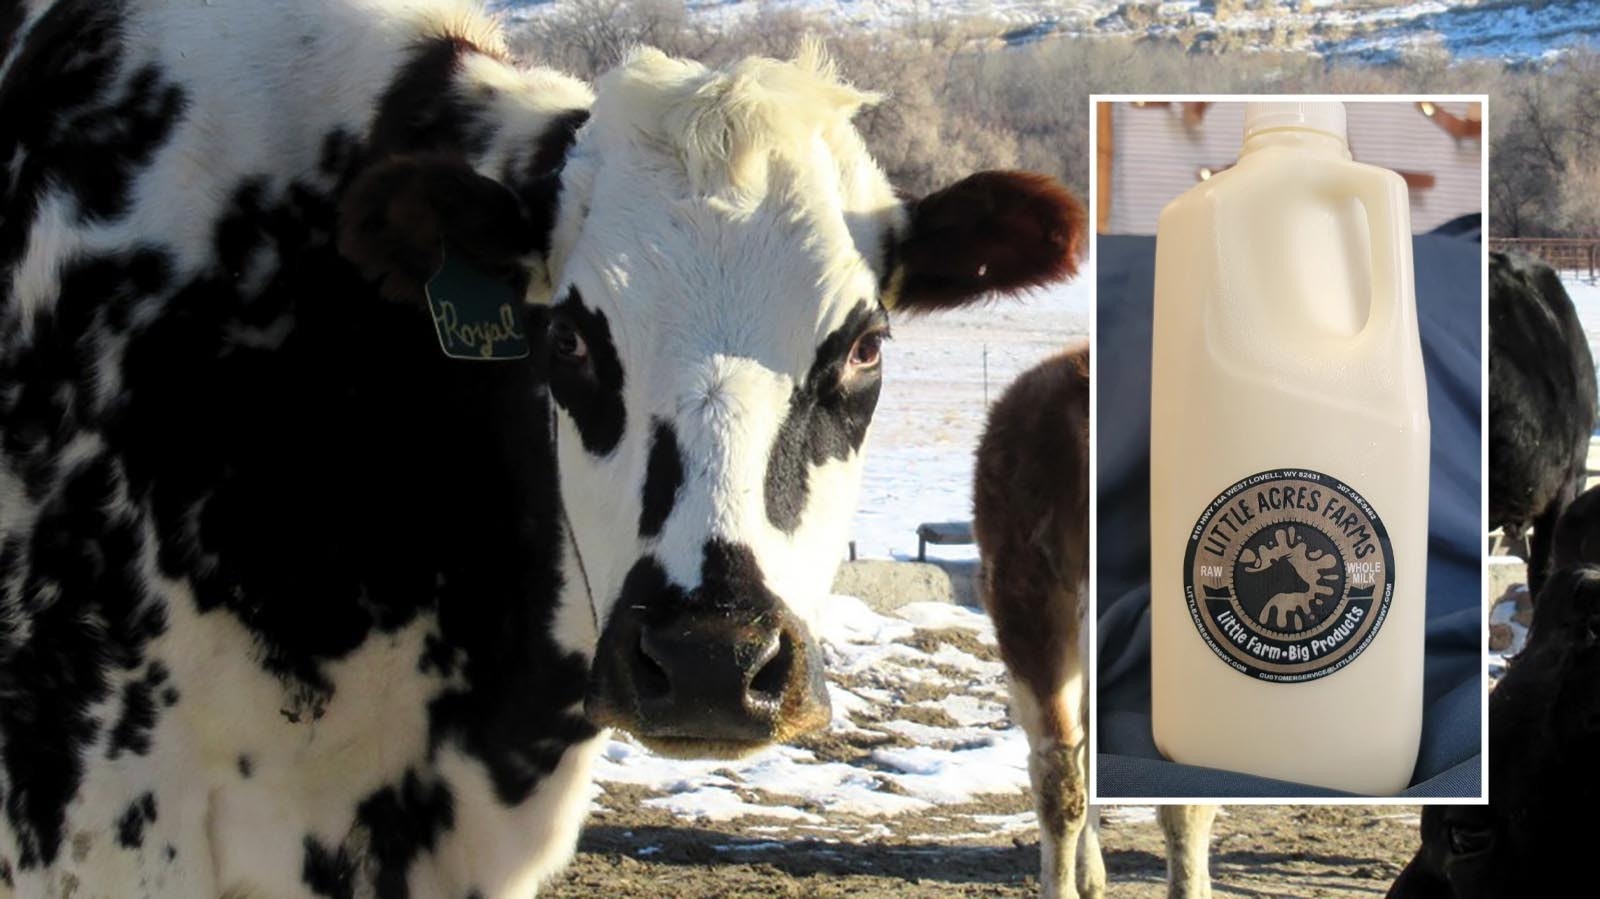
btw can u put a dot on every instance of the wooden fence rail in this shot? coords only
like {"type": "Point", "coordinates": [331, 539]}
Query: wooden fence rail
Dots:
{"type": "Point", "coordinates": [1576, 254]}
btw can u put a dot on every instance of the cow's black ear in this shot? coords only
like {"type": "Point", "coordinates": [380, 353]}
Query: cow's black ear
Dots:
{"type": "Point", "coordinates": [399, 215]}
{"type": "Point", "coordinates": [989, 233]}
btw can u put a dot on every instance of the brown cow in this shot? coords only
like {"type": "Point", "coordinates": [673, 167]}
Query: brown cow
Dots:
{"type": "Point", "coordinates": [1031, 519]}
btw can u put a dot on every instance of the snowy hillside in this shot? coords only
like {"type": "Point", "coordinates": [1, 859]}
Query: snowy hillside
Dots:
{"type": "Point", "coordinates": [1372, 30]}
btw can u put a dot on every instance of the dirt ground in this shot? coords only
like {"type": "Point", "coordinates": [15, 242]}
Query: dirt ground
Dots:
{"type": "Point", "coordinates": [1258, 851]}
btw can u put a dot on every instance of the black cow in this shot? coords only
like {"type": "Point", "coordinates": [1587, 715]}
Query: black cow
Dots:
{"type": "Point", "coordinates": [1534, 838]}
{"type": "Point", "coordinates": [1541, 404]}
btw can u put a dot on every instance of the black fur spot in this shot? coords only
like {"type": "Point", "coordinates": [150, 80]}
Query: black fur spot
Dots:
{"type": "Point", "coordinates": [551, 154]}
{"type": "Point", "coordinates": [647, 587]}
{"type": "Point", "coordinates": [891, 258]}
{"type": "Point", "coordinates": [730, 577]}
{"type": "Point", "coordinates": [341, 152]}
{"type": "Point", "coordinates": [729, 573]}
{"type": "Point", "coordinates": [419, 111]}
{"type": "Point", "coordinates": [402, 823]}
{"type": "Point", "coordinates": [132, 731]}
{"type": "Point", "coordinates": [246, 767]}
{"type": "Point", "coordinates": [171, 852]}
{"type": "Point", "coordinates": [539, 185]}
{"type": "Point", "coordinates": [826, 420]}
{"type": "Point", "coordinates": [328, 872]}
{"type": "Point", "coordinates": [437, 657]}
{"type": "Point", "coordinates": [590, 392]}
{"type": "Point", "coordinates": [131, 825]}
{"type": "Point", "coordinates": [396, 824]}
{"type": "Point", "coordinates": [663, 477]}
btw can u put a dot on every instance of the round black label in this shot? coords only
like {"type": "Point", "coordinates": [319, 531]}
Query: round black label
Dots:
{"type": "Point", "coordinates": [1288, 575]}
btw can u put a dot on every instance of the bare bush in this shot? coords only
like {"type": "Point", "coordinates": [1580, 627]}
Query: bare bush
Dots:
{"type": "Point", "coordinates": [961, 96]}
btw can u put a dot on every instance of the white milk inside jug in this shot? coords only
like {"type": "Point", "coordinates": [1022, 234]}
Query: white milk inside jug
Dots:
{"type": "Point", "coordinates": [1289, 465]}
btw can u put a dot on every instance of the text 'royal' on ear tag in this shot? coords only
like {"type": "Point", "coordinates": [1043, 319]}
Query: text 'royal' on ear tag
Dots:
{"type": "Point", "coordinates": [475, 313]}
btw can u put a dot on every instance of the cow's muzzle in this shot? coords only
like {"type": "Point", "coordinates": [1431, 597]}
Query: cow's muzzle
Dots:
{"type": "Point", "coordinates": [699, 680]}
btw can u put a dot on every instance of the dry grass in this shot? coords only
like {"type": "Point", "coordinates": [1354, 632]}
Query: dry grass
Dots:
{"type": "Point", "coordinates": [962, 98]}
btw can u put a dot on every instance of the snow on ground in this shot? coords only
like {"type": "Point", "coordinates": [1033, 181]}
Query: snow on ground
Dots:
{"type": "Point", "coordinates": [920, 721]}
{"type": "Point", "coordinates": [1513, 611]}
{"type": "Point", "coordinates": [1586, 297]}
{"type": "Point", "coordinates": [939, 372]}
{"type": "Point", "coordinates": [921, 747]}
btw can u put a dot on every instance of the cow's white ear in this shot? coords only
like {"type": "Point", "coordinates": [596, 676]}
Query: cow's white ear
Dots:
{"type": "Point", "coordinates": [398, 217]}
{"type": "Point", "coordinates": [990, 233]}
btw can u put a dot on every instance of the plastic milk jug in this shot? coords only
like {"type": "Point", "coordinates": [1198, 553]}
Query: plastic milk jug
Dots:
{"type": "Point", "coordinates": [1289, 465]}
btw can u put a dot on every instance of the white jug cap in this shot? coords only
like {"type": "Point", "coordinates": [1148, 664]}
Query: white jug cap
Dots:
{"type": "Point", "coordinates": [1324, 116]}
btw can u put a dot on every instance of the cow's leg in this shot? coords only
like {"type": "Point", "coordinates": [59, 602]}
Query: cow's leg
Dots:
{"type": "Point", "coordinates": [1059, 797]}
{"type": "Point", "coordinates": [1057, 766]}
{"type": "Point", "coordinates": [1541, 546]}
{"type": "Point", "coordinates": [1187, 830]}
{"type": "Point", "coordinates": [1091, 864]}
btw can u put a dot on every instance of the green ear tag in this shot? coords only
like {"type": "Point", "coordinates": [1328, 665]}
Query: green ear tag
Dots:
{"type": "Point", "coordinates": [474, 314]}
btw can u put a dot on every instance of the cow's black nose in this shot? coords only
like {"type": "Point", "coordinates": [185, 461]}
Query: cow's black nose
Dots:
{"type": "Point", "coordinates": [709, 672]}
{"type": "Point", "coordinates": [722, 675]}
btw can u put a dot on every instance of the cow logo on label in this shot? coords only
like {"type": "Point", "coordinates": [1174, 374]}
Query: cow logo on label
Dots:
{"type": "Point", "coordinates": [1288, 575]}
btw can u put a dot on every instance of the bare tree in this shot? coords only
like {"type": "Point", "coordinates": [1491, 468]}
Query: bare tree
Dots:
{"type": "Point", "coordinates": [968, 93]}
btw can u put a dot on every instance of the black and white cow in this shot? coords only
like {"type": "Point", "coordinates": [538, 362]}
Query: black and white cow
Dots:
{"type": "Point", "coordinates": [1534, 838]}
{"type": "Point", "coordinates": [1541, 404]}
{"type": "Point", "coordinates": [292, 603]}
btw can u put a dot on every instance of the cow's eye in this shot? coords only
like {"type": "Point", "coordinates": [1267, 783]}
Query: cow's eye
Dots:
{"type": "Point", "coordinates": [566, 344]}
{"type": "Point", "coordinates": [868, 349]}
{"type": "Point", "coordinates": [1466, 839]}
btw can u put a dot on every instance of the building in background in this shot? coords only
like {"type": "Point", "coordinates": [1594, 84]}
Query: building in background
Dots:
{"type": "Point", "coordinates": [1149, 153]}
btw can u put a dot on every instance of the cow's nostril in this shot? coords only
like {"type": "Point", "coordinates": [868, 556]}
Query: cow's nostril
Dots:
{"type": "Point", "coordinates": [650, 680]}
{"type": "Point", "coordinates": [771, 678]}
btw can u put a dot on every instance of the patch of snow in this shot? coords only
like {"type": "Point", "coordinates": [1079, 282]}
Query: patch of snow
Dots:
{"type": "Point", "coordinates": [1006, 823]}
{"type": "Point", "coordinates": [847, 621]}
{"type": "Point", "coordinates": [720, 804]}
{"type": "Point", "coordinates": [1127, 815]}
{"type": "Point", "coordinates": [981, 754]}
{"type": "Point", "coordinates": [997, 763]}
{"type": "Point", "coordinates": [939, 615]}
{"type": "Point", "coordinates": [1502, 614]}
{"type": "Point", "coordinates": [969, 710]}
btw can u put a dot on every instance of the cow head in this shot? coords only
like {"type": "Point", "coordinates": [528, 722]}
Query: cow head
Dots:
{"type": "Point", "coordinates": [723, 262]}
{"type": "Point", "coordinates": [1533, 838]}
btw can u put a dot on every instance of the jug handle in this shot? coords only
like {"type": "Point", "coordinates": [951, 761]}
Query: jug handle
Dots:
{"type": "Point", "coordinates": [1376, 194]}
